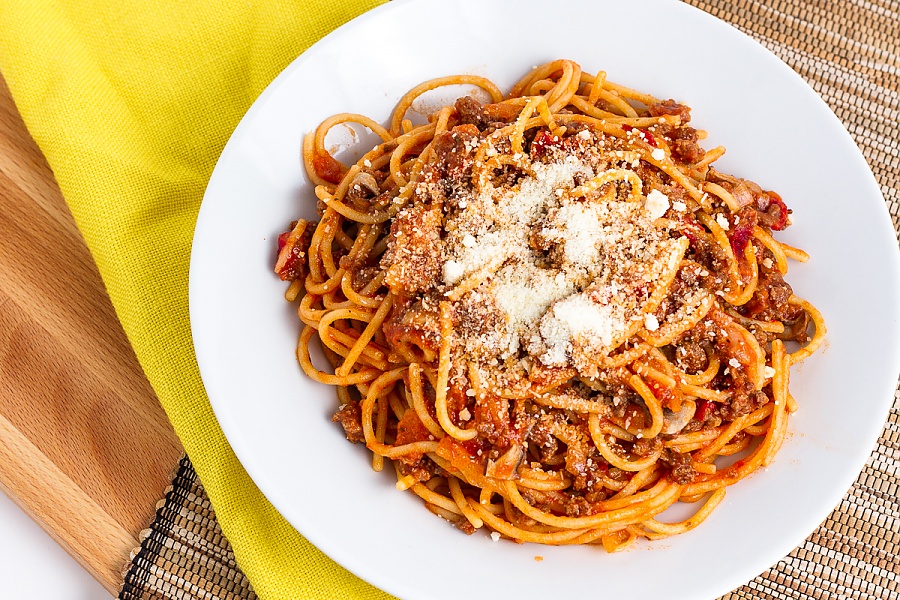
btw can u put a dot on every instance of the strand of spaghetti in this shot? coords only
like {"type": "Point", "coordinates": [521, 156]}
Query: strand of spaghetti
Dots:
{"type": "Point", "coordinates": [340, 118]}
{"type": "Point", "coordinates": [731, 430]}
{"type": "Point", "coordinates": [374, 324]}
{"type": "Point", "coordinates": [381, 386]}
{"type": "Point", "coordinates": [443, 118]}
{"type": "Point", "coordinates": [566, 87]}
{"type": "Point", "coordinates": [658, 361]}
{"type": "Point", "coordinates": [774, 247]}
{"type": "Point", "coordinates": [377, 158]}
{"type": "Point", "coordinates": [724, 195]}
{"type": "Point", "coordinates": [612, 457]}
{"type": "Point", "coordinates": [315, 264]}
{"type": "Point", "coordinates": [703, 436]}
{"type": "Point", "coordinates": [293, 290]}
{"type": "Point", "coordinates": [759, 429]}
{"type": "Point", "coordinates": [548, 117]}
{"type": "Point", "coordinates": [308, 153]}
{"type": "Point", "coordinates": [406, 143]}
{"type": "Point", "coordinates": [541, 480]}
{"type": "Point", "coordinates": [664, 280]}
{"type": "Point", "coordinates": [609, 176]}
{"type": "Point", "coordinates": [688, 448]}
{"type": "Point", "coordinates": [709, 157]}
{"type": "Point", "coordinates": [703, 377]}
{"type": "Point", "coordinates": [612, 529]}
{"type": "Point", "coordinates": [736, 471]}
{"type": "Point", "coordinates": [732, 291]}
{"type": "Point", "coordinates": [616, 101]}
{"type": "Point", "coordinates": [407, 100]}
{"type": "Point", "coordinates": [596, 86]}
{"type": "Point", "coordinates": [398, 405]}
{"type": "Point", "coordinates": [626, 357]}
{"type": "Point", "coordinates": [363, 375]}
{"type": "Point", "coordinates": [589, 108]}
{"type": "Point", "coordinates": [767, 326]}
{"type": "Point", "coordinates": [521, 122]}
{"type": "Point", "coordinates": [356, 314]}
{"type": "Point", "coordinates": [705, 393]}
{"type": "Point", "coordinates": [818, 336]}
{"type": "Point", "coordinates": [664, 494]}
{"type": "Point", "coordinates": [440, 400]}
{"type": "Point", "coordinates": [511, 531]}
{"type": "Point", "coordinates": [381, 419]}
{"type": "Point", "coordinates": [700, 467]}
{"type": "Point", "coordinates": [653, 407]}
{"type": "Point", "coordinates": [418, 401]}
{"type": "Point", "coordinates": [630, 93]}
{"type": "Point", "coordinates": [750, 288]}
{"type": "Point", "coordinates": [343, 240]}
{"type": "Point", "coordinates": [676, 528]}
{"type": "Point", "coordinates": [630, 494]}
{"type": "Point", "coordinates": [332, 221]}
{"type": "Point", "coordinates": [355, 297]}
{"type": "Point", "coordinates": [778, 424]}
{"type": "Point", "coordinates": [795, 253]}
{"type": "Point", "coordinates": [309, 315]}
{"type": "Point", "coordinates": [372, 354]}
{"type": "Point", "coordinates": [609, 483]}
{"type": "Point", "coordinates": [738, 444]}
{"type": "Point", "coordinates": [432, 497]}
{"type": "Point", "coordinates": [540, 88]}
{"type": "Point", "coordinates": [359, 251]}
{"type": "Point", "coordinates": [614, 430]}
{"type": "Point", "coordinates": [541, 72]}
{"type": "Point", "coordinates": [356, 215]}
{"type": "Point", "coordinates": [792, 405]}
{"type": "Point", "coordinates": [640, 531]}
{"type": "Point", "coordinates": [331, 301]}
{"type": "Point", "coordinates": [405, 482]}
{"type": "Point", "coordinates": [463, 503]}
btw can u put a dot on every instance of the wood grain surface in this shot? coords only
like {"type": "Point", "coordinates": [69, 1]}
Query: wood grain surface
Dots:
{"type": "Point", "coordinates": [85, 447]}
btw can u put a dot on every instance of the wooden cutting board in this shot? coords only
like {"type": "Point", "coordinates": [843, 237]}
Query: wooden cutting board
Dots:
{"type": "Point", "coordinates": [85, 447]}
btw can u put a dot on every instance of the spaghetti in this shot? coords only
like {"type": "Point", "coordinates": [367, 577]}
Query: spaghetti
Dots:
{"type": "Point", "coordinates": [549, 311]}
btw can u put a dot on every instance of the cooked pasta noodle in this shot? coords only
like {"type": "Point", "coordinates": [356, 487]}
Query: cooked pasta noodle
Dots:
{"type": "Point", "coordinates": [549, 310]}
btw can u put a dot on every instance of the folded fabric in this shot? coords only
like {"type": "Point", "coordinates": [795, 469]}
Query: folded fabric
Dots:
{"type": "Point", "coordinates": [131, 102]}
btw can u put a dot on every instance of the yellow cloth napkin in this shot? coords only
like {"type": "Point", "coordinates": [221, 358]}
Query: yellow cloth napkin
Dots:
{"type": "Point", "coordinates": [132, 101]}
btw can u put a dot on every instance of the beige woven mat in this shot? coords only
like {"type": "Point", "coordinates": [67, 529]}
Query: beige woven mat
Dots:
{"type": "Point", "coordinates": [849, 52]}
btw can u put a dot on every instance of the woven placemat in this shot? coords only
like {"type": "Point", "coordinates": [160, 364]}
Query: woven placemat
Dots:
{"type": "Point", "coordinates": [849, 52]}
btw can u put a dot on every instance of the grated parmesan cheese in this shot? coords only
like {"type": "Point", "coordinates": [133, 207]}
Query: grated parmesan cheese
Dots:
{"type": "Point", "coordinates": [656, 204]}
{"type": "Point", "coordinates": [452, 271]}
{"type": "Point", "coordinates": [722, 220]}
{"type": "Point", "coordinates": [561, 276]}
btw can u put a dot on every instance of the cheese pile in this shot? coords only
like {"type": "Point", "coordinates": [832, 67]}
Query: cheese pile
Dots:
{"type": "Point", "coordinates": [564, 278]}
